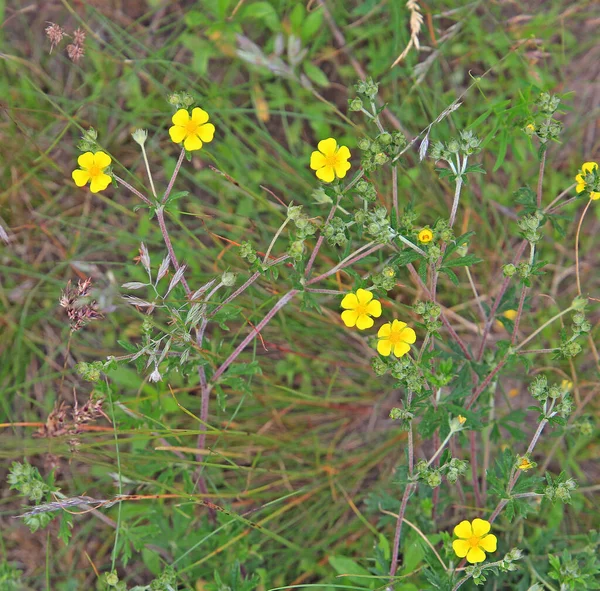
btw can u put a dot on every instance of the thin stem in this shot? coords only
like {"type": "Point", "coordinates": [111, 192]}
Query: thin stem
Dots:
{"type": "Point", "coordinates": [519, 314]}
{"type": "Point", "coordinates": [477, 297]}
{"type": "Point", "coordinates": [459, 183]}
{"type": "Point", "coordinates": [252, 335]}
{"type": "Point", "coordinates": [160, 216]}
{"type": "Point", "coordinates": [409, 243]}
{"type": "Point", "coordinates": [120, 481]}
{"type": "Point", "coordinates": [440, 449]}
{"type": "Point", "coordinates": [536, 332]}
{"type": "Point", "coordinates": [541, 178]}
{"type": "Point", "coordinates": [277, 234]}
{"type": "Point", "coordinates": [320, 239]}
{"type": "Point", "coordinates": [347, 262]}
{"type": "Point", "coordinates": [395, 192]}
{"type": "Point", "coordinates": [474, 468]}
{"type": "Point", "coordinates": [173, 176]}
{"type": "Point", "coordinates": [577, 247]}
{"type": "Point", "coordinates": [148, 171]}
{"type": "Point", "coordinates": [396, 547]}
{"type": "Point", "coordinates": [236, 293]}
{"type": "Point", "coordinates": [132, 189]}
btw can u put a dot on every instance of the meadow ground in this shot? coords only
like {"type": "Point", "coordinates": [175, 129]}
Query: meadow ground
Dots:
{"type": "Point", "coordinates": [300, 472]}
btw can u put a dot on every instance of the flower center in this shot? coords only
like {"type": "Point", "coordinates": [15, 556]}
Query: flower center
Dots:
{"type": "Point", "coordinates": [395, 337]}
{"type": "Point", "coordinates": [94, 170]}
{"type": "Point", "coordinates": [474, 541]}
{"type": "Point", "coordinates": [361, 309]}
{"type": "Point", "coordinates": [191, 127]}
{"type": "Point", "coordinates": [332, 160]}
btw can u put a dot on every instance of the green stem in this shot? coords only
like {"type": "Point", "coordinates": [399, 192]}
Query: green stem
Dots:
{"type": "Point", "coordinates": [120, 482]}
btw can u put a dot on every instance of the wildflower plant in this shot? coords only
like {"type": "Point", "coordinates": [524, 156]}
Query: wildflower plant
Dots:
{"type": "Point", "coordinates": [444, 383]}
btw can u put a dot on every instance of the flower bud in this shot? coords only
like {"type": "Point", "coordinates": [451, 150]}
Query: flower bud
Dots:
{"type": "Point", "coordinates": [228, 279]}
{"type": "Point", "coordinates": [140, 136]}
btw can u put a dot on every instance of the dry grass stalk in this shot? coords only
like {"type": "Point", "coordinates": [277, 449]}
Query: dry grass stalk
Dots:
{"type": "Point", "coordinates": [416, 22]}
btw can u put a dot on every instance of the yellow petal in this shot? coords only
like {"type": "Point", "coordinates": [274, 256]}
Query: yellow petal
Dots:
{"type": "Point", "coordinates": [177, 133]}
{"type": "Point", "coordinates": [580, 188]}
{"type": "Point", "coordinates": [192, 142]}
{"type": "Point", "coordinates": [81, 177]}
{"type": "Point", "coordinates": [363, 322]}
{"type": "Point", "coordinates": [461, 547]}
{"type": "Point", "coordinates": [463, 530]}
{"type": "Point", "coordinates": [579, 179]}
{"type": "Point", "coordinates": [363, 296]}
{"type": "Point", "coordinates": [206, 132]}
{"type": "Point", "coordinates": [384, 347]}
{"type": "Point", "coordinates": [589, 166]}
{"type": "Point", "coordinates": [341, 168]}
{"type": "Point", "coordinates": [401, 349]}
{"type": "Point", "coordinates": [385, 330]}
{"type": "Point", "coordinates": [398, 325]}
{"type": "Point", "coordinates": [350, 301]}
{"type": "Point", "coordinates": [181, 118]}
{"type": "Point", "coordinates": [489, 543]}
{"type": "Point", "coordinates": [86, 160]}
{"type": "Point", "coordinates": [374, 308]}
{"type": "Point", "coordinates": [199, 116]}
{"type": "Point", "coordinates": [344, 153]}
{"type": "Point", "coordinates": [102, 160]}
{"type": "Point", "coordinates": [480, 527]}
{"type": "Point", "coordinates": [317, 160]}
{"type": "Point", "coordinates": [349, 318]}
{"type": "Point", "coordinates": [408, 335]}
{"type": "Point", "coordinates": [99, 183]}
{"type": "Point", "coordinates": [594, 195]}
{"type": "Point", "coordinates": [326, 174]}
{"type": "Point", "coordinates": [328, 146]}
{"type": "Point", "coordinates": [475, 555]}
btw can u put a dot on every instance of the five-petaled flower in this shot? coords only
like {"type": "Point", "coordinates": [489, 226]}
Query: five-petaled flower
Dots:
{"type": "Point", "coordinates": [330, 161]}
{"type": "Point", "coordinates": [191, 130]}
{"type": "Point", "coordinates": [525, 464]}
{"type": "Point", "coordinates": [425, 236]}
{"type": "Point", "coordinates": [582, 185]}
{"type": "Point", "coordinates": [474, 540]}
{"type": "Point", "coordinates": [395, 337]}
{"type": "Point", "coordinates": [358, 309]}
{"type": "Point", "coordinates": [92, 170]}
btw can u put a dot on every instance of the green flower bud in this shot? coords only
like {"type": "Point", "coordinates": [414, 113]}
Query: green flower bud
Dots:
{"type": "Point", "coordinates": [509, 270]}
{"type": "Point", "coordinates": [228, 279]}
{"type": "Point", "coordinates": [140, 136]}
{"type": "Point", "coordinates": [363, 144]}
{"type": "Point", "coordinates": [379, 367]}
{"type": "Point", "coordinates": [355, 104]}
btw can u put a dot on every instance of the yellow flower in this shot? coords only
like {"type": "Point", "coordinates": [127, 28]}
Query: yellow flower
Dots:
{"type": "Point", "coordinates": [474, 540]}
{"type": "Point", "coordinates": [192, 131]}
{"type": "Point", "coordinates": [566, 385]}
{"type": "Point", "coordinates": [586, 168]}
{"type": "Point", "coordinates": [92, 167]}
{"type": "Point", "coordinates": [462, 420]}
{"type": "Point", "coordinates": [425, 235]}
{"type": "Point", "coordinates": [358, 309]}
{"type": "Point", "coordinates": [330, 161]}
{"type": "Point", "coordinates": [525, 464]}
{"type": "Point", "coordinates": [395, 336]}
{"type": "Point", "coordinates": [510, 314]}
{"type": "Point", "coordinates": [530, 127]}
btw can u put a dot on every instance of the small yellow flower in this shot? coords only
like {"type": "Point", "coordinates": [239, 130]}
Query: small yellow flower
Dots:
{"type": "Point", "coordinates": [192, 131]}
{"type": "Point", "coordinates": [358, 309]}
{"type": "Point", "coordinates": [474, 540]}
{"type": "Point", "coordinates": [425, 236]}
{"type": "Point", "coordinates": [586, 168]}
{"type": "Point", "coordinates": [510, 314]}
{"type": "Point", "coordinates": [92, 167]}
{"type": "Point", "coordinates": [330, 161]}
{"type": "Point", "coordinates": [513, 392]}
{"type": "Point", "coordinates": [530, 127]}
{"type": "Point", "coordinates": [462, 420]}
{"type": "Point", "coordinates": [566, 385]}
{"type": "Point", "coordinates": [395, 337]}
{"type": "Point", "coordinates": [525, 464]}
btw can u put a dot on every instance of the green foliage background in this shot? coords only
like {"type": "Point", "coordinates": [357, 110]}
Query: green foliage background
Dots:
{"type": "Point", "coordinates": [303, 449]}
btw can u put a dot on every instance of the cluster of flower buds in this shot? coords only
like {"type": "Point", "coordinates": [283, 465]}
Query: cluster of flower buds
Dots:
{"type": "Point", "coordinates": [181, 100]}
{"type": "Point", "coordinates": [403, 416]}
{"type": "Point", "coordinates": [380, 150]}
{"type": "Point", "coordinates": [335, 232]}
{"type": "Point", "coordinates": [529, 226]}
{"type": "Point", "coordinates": [557, 395]}
{"type": "Point", "coordinates": [430, 312]}
{"type": "Point", "coordinates": [26, 479]}
{"type": "Point", "coordinates": [466, 143]}
{"type": "Point", "coordinates": [248, 252]}
{"type": "Point", "coordinates": [366, 191]}
{"type": "Point", "coordinates": [561, 489]}
{"type": "Point", "coordinates": [385, 280]}
{"type": "Point", "coordinates": [368, 88]}
{"type": "Point", "coordinates": [375, 223]}
{"type": "Point", "coordinates": [303, 224]}
{"type": "Point", "coordinates": [88, 141]}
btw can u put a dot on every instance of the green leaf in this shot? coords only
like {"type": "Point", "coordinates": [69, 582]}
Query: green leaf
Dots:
{"type": "Point", "coordinates": [315, 74]}
{"type": "Point", "coordinates": [265, 12]}
{"type": "Point", "coordinates": [347, 566]}
{"type": "Point", "coordinates": [312, 24]}
{"type": "Point", "coordinates": [451, 274]}
{"type": "Point", "coordinates": [465, 261]}
{"type": "Point", "coordinates": [406, 257]}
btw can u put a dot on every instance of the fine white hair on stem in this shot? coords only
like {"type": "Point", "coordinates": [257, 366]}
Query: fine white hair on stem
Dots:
{"type": "Point", "coordinates": [416, 22]}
